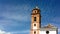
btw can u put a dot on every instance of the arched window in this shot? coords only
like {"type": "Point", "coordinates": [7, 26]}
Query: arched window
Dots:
{"type": "Point", "coordinates": [34, 32]}
{"type": "Point", "coordinates": [35, 11]}
{"type": "Point", "coordinates": [34, 24]}
{"type": "Point", "coordinates": [47, 32]}
{"type": "Point", "coordinates": [34, 18]}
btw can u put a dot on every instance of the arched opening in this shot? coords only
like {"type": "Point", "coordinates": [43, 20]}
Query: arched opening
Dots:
{"type": "Point", "coordinates": [34, 18]}
{"type": "Point", "coordinates": [34, 24]}
{"type": "Point", "coordinates": [47, 32]}
{"type": "Point", "coordinates": [34, 32]}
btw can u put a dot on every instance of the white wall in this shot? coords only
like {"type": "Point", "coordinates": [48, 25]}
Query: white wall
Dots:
{"type": "Point", "coordinates": [34, 27]}
{"type": "Point", "coordinates": [50, 32]}
{"type": "Point", "coordinates": [42, 32]}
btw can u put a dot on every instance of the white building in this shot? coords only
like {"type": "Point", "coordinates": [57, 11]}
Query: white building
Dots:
{"type": "Point", "coordinates": [36, 24]}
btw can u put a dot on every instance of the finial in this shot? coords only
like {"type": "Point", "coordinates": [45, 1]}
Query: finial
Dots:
{"type": "Point", "coordinates": [37, 7]}
{"type": "Point", "coordinates": [50, 25]}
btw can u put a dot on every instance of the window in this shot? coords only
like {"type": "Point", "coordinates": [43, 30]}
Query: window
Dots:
{"type": "Point", "coordinates": [34, 18]}
{"type": "Point", "coordinates": [35, 11]}
{"type": "Point", "coordinates": [47, 32]}
{"type": "Point", "coordinates": [34, 24]}
{"type": "Point", "coordinates": [34, 32]}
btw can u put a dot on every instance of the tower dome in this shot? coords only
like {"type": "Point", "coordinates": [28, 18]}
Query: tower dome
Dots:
{"type": "Point", "coordinates": [36, 10]}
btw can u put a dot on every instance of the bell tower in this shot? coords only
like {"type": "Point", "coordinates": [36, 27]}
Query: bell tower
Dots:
{"type": "Point", "coordinates": [35, 21]}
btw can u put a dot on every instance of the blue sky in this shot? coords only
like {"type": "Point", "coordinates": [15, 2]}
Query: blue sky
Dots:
{"type": "Point", "coordinates": [15, 15]}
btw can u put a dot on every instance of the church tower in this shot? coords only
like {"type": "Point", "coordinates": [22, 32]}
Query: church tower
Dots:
{"type": "Point", "coordinates": [35, 21]}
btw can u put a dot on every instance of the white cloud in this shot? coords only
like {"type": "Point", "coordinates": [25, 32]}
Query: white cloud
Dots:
{"type": "Point", "coordinates": [18, 17]}
{"type": "Point", "coordinates": [14, 32]}
{"type": "Point", "coordinates": [19, 12]}
{"type": "Point", "coordinates": [24, 31]}
{"type": "Point", "coordinates": [4, 32]}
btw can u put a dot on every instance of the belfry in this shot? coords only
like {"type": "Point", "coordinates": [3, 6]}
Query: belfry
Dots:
{"type": "Point", "coordinates": [35, 21]}
{"type": "Point", "coordinates": [36, 24]}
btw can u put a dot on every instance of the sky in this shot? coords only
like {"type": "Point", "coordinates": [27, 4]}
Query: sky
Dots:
{"type": "Point", "coordinates": [15, 15]}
